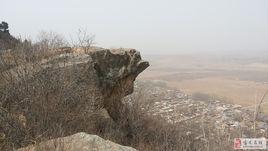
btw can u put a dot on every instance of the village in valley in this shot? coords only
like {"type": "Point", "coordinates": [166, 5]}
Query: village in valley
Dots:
{"type": "Point", "coordinates": [176, 107]}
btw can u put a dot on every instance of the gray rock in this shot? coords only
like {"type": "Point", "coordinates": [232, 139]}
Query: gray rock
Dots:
{"type": "Point", "coordinates": [78, 142]}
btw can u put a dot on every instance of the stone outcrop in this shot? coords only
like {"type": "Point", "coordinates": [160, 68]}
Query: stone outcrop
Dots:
{"type": "Point", "coordinates": [60, 95]}
{"type": "Point", "coordinates": [110, 73]}
{"type": "Point", "coordinates": [78, 142]}
{"type": "Point", "coordinates": [117, 70]}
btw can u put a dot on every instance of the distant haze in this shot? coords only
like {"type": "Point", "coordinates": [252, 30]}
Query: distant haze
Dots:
{"type": "Point", "coordinates": [152, 26]}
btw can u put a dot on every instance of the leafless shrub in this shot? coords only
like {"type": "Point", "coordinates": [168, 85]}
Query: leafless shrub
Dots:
{"type": "Point", "coordinates": [259, 104]}
{"type": "Point", "coordinates": [258, 109]}
{"type": "Point", "coordinates": [35, 104]}
{"type": "Point", "coordinates": [50, 40]}
{"type": "Point", "coordinates": [83, 41]}
{"type": "Point", "coordinates": [154, 133]}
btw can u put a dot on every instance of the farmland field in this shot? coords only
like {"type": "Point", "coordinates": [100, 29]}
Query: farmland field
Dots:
{"type": "Point", "coordinates": [232, 79]}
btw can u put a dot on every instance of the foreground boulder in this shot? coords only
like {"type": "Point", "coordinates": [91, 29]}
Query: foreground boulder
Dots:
{"type": "Point", "coordinates": [78, 142]}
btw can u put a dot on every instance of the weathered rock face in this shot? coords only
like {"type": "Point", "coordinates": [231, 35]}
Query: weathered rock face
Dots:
{"type": "Point", "coordinates": [118, 67]}
{"type": "Point", "coordinates": [110, 73]}
{"type": "Point", "coordinates": [78, 142]}
{"type": "Point", "coordinates": [101, 77]}
{"type": "Point", "coordinates": [117, 70]}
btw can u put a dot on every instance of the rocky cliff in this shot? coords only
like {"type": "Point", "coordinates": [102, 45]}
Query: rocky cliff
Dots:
{"type": "Point", "coordinates": [59, 95]}
{"type": "Point", "coordinates": [108, 73]}
{"type": "Point", "coordinates": [116, 71]}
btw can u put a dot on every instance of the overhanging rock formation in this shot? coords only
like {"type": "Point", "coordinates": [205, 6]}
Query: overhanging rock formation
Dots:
{"type": "Point", "coordinates": [106, 74]}
{"type": "Point", "coordinates": [117, 70]}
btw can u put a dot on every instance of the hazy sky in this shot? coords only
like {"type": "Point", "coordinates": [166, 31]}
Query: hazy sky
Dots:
{"type": "Point", "coordinates": [152, 26]}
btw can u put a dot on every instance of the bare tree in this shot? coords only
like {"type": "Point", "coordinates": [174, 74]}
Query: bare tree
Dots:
{"type": "Point", "coordinates": [83, 40]}
{"type": "Point", "coordinates": [258, 107]}
{"type": "Point", "coordinates": [51, 40]}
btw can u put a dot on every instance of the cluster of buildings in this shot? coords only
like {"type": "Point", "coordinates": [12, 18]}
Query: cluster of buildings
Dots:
{"type": "Point", "coordinates": [176, 107]}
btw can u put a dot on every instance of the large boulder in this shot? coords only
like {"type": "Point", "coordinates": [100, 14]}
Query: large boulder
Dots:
{"type": "Point", "coordinates": [116, 71]}
{"type": "Point", "coordinates": [78, 142]}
